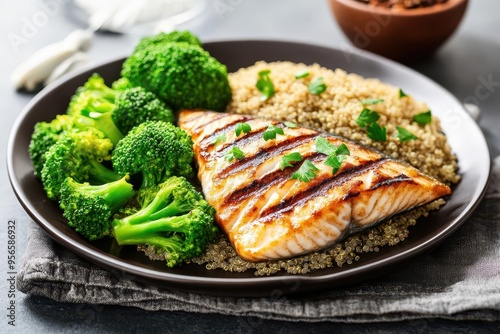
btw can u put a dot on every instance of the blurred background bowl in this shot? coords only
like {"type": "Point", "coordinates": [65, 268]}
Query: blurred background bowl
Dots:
{"type": "Point", "coordinates": [404, 35]}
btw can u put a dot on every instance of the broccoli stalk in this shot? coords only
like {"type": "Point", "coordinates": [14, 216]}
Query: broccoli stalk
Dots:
{"type": "Point", "coordinates": [178, 223]}
{"type": "Point", "coordinates": [89, 208]}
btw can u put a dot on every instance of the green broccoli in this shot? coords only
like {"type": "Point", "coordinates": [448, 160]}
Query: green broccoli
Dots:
{"type": "Point", "coordinates": [46, 134]}
{"type": "Point", "coordinates": [116, 112]}
{"type": "Point", "coordinates": [171, 37]}
{"type": "Point", "coordinates": [121, 84]}
{"type": "Point", "coordinates": [178, 223]}
{"type": "Point", "coordinates": [183, 75]}
{"type": "Point", "coordinates": [78, 155]}
{"type": "Point", "coordinates": [89, 208]}
{"type": "Point", "coordinates": [91, 107]}
{"type": "Point", "coordinates": [156, 150]}
{"type": "Point", "coordinates": [136, 105]}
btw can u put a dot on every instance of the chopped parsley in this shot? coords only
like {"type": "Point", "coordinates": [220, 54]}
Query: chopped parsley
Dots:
{"type": "Point", "coordinates": [301, 74]}
{"type": "Point", "coordinates": [336, 154]}
{"type": "Point", "coordinates": [306, 172]}
{"type": "Point", "coordinates": [335, 161]}
{"type": "Point", "coordinates": [272, 131]}
{"type": "Point", "coordinates": [401, 93]}
{"type": "Point", "coordinates": [290, 125]}
{"type": "Point", "coordinates": [376, 132]}
{"type": "Point", "coordinates": [324, 146]}
{"type": "Point", "coordinates": [265, 85]}
{"type": "Point", "coordinates": [368, 102]}
{"type": "Point", "coordinates": [405, 135]}
{"type": "Point", "coordinates": [367, 117]}
{"type": "Point", "coordinates": [423, 118]}
{"type": "Point", "coordinates": [234, 153]}
{"type": "Point", "coordinates": [317, 86]}
{"type": "Point", "coordinates": [219, 139]}
{"type": "Point", "coordinates": [289, 158]}
{"type": "Point", "coordinates": [242, 127]}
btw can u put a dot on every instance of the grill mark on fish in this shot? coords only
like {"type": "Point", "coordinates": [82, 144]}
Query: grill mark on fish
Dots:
{"type": "Point", "coordinates": [385, 182]}
{"type": "Point", "coordinates": [214, 119]}
{"type": "Point", "coordinates": [258, 186]}
{"type": "Point", "coordinates": [264, 154]}
{"type": "Point", "coordinates": [321, 188]}
{"type": "Point", "coordinates": [226, 128]}
{"type": "Point", "coordinates": [192, 118]}
{"type": "Point", "coordinates": [240, 141]}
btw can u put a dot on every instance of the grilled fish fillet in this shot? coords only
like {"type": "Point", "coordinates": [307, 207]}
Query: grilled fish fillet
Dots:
{"type": "Point", "coordinates": [268, 215]}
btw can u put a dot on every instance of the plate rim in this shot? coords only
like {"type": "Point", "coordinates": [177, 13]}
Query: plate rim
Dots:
{"type": "Point", "coordinates": [133, 271]}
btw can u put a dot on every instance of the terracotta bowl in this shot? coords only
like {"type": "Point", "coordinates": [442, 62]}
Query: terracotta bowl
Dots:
{"type": "Point", "coordinates": [400, 34]}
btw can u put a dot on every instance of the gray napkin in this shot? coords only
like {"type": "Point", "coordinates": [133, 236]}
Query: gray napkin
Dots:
{"type": "Point", "coordinates": [460, 280]}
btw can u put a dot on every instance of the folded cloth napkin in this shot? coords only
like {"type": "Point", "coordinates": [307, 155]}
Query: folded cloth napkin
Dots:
{"type": "Point", "coordinates": [459, 280]}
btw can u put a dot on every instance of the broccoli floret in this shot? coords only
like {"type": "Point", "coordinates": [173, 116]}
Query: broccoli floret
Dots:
{"type": "Point", "coordinates": [183, 75]}
{"type": "Point", "coordinates": [178, 223]}
{"type": "Point", "coordinates": [92, 107]}
{"type": "Point", "coordinates": [156, 150]}
{"type": "Point", "coordinates": [171, 37]}
{"type": "Point", "coordinates": [78, 155]}
{"type": "Point", "coordinates": [89, 208]}
{"type": "Point", "coordinates": [46, 134]}
{"type": "Point", "coordinates": [136, 105]}
{"type": "Point", "coordinates": [116, 112]}
{"type": "Point", "coordinates": [96, 86]}
{"type": "Point", "coordinates": [121, 84]}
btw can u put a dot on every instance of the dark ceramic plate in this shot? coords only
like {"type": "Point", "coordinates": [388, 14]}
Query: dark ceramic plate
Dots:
{"type": "Point", "coordinates": [463, 134]}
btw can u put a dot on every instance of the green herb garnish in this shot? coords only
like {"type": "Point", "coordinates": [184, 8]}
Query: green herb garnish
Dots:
{"type": "Point", "coordinates": [265, 85]}
{"type": "Point", "coordinates": [290, 125]}
{"type": "Point", "coordinates": [405, 135]}
{"type": "Point", "coordinates": [301, 74]}
{"type": "Point", "coordinates": [317, 86]}
{"type": "Point", "coordinates": [272, 131]}
{"type": "Point", "coordinates": [368, 102]}
{"type": "Point", "coordinates": [324, 146]}
{"type": "Point", "coordinates": [289, 158]}
{"type": "Point", "coordinates": [401, 93]}
{"type": "Point", "coordinates": [336, 154]}
{"type": "Point", "coordinates": [306, 172]}
{"type": "Point", "coordinates": [423, 118]}
{"type": "Point", "coordinates": [219, 139]}
{"type": "Point", "coordinates": [234, 153]}
{"type": "Point", "coordinates": [335, 161]}
{"type": "Point", "coordinates": [342, 149]}
{"type": "Point", "coordinates": [242, 127]}
{"type": "Point", "coordinates": [376, 132]}
{"type": "Point", "coordinates": [367, 117]}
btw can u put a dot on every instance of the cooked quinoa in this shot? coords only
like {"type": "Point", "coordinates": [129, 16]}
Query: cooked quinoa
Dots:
{"type": "Point", "coordinates": [335, 110]}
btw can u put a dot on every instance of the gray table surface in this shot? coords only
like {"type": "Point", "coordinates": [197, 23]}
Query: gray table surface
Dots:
{"type": "Point", "coordinates": [470, 57]}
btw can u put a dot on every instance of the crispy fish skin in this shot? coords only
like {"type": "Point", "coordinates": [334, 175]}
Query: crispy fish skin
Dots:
{"type": "Point", "coordinates": [267, 215]}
